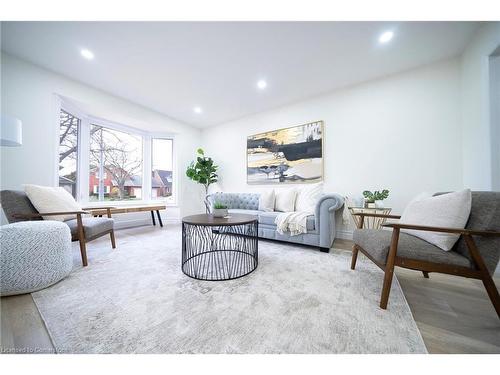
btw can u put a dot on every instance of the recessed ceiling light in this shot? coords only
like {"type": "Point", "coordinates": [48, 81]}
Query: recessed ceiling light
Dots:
{"type": "Point", "coordinates": [197, 110]}
{"type": "Point", "coordinates": [261, 84]}
{"type": "Point", "coordinates": [89, 55]}
{"type": "Point", "coordinates": [386, 37]}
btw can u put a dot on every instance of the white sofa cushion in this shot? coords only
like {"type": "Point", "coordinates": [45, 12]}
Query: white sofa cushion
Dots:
{"type": "Point", "coordinates": [307, 197]}
{"type": "Point", "coordinates": [285, 200]}
{"type": "Point", "coordinates": [52, 199]}
{"type": "Point", "coordinates": [266, 201]}
{"type": "Point", "coordinates": [450, 210]}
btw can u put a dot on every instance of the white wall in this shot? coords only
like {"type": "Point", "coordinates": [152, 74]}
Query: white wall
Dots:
{"type": "Point", "coordinates": [495, 120]}
{"type": "Point", "coordinates": [27, 92]}
{"type": "Point", "coordinates": [401, 132]}
{"type": "Point", "coordinates": [476, 126]}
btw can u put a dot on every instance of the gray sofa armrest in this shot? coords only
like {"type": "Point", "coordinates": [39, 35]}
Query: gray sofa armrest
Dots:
{"type": "Point", "coordinates": [324, 217]}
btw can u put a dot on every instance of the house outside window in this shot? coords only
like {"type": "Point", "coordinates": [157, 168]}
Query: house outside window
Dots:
{"type": "Point", "coordinates": [162, 168]}
{"type": "Point", "coordinates": [107, 189]}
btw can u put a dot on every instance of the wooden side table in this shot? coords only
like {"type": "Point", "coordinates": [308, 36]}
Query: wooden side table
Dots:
{"type": "Point", "coordinates": [369, 222]}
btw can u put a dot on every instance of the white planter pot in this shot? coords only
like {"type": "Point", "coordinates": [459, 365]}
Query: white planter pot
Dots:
{"type": "Point", "coordinates": [219, 212]}
{"type": "Point", "coordinates": [379, 204]}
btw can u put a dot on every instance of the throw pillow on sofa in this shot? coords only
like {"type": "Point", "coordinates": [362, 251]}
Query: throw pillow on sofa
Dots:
{"type": "Point", "coordinates": [266, 201]}
{"type": "Point", "coordinates": [285, 200]}
{"type": "Point", "coordinates": [450, 210]}
{"type": "Point", "coordinates": [307, 197]}
{"type": "Point", "coordinates": [52, 199]}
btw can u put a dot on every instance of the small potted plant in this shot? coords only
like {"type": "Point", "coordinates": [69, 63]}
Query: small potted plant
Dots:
{"type": "Point", "coordinates": [203, 171]}
{"type": "Point", "coordinates": [374, 200]}
{"type": "Point", "coordinates": [220, 210]}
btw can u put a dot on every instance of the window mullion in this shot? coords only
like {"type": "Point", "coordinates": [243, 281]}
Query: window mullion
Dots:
{"type": "Point", "coordinates": [84, 160]}
{"type": "Point", "coordinates": [147, 167]}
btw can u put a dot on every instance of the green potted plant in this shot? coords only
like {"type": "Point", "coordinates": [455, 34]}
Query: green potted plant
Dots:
{"type": "Point", "coordinates": [203, 171]}
{"type": "Point", "coordinates": [220, 210]}
{"type": "Point", "coordinates": [374, 199]}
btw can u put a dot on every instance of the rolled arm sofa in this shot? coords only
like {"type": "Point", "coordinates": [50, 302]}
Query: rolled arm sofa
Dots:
{"type": "Point", "coordinates": [320, 226]}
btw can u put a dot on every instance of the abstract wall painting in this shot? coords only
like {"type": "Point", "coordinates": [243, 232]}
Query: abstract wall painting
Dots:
{"type": "Point", "coordinates": [286, 156]}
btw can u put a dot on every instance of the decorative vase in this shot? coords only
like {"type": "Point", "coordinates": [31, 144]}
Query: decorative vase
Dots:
{"type": "Point", "coordinates": [219, 212]}
{"type": "Point", "coordinates": [379, 204]}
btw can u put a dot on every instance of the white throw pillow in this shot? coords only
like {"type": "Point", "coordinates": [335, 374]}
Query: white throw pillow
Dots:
{"type": "Point", "coordinates": [266, 201]}
{"type": "Point", "coordinates": [285, 200]}
{"type": "Point", "coordinates": [52, 199]}
{"type": "Point", "coordinates": [450, 210]}
{"type": "Point", "coordinates": [307, 197]}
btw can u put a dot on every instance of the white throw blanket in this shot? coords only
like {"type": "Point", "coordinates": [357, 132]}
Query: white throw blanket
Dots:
{"type": "Point", "coordinates": [293, 222]}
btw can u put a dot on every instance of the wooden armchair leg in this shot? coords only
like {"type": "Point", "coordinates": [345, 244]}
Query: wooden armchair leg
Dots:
{"type": "Point", "coordinates": [492, 291]}
{"type": "Point", "coordinates": [488, 282]}
{"type": "Point", "coordinates": [386, 288]}
{"type": "Point", "coordinates": [389, 269]}
{"type": "Point", "coordinates": [81, 239]}
{"type": "Point", "coordinates": [112, 235]}
{"type": "Point", "coordinates": [354, 256]}
{"type": "Point", "coordinates": [83, 251]}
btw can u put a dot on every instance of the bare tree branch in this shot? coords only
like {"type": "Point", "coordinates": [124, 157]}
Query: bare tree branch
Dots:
{"type": "Point", "coordinates": [119, 160]}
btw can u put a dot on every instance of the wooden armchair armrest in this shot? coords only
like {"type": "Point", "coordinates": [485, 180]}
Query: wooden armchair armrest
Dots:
{"type": "Point", "coordinates": [468, 232]}
{"type": "Point", "coordinates": [32, 216]}
{"type": "Point", "coordinates": [377, 215]}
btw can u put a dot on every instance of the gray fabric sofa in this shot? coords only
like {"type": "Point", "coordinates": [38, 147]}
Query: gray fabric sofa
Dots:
{"type": "Point", "coordinates": [320, 226]}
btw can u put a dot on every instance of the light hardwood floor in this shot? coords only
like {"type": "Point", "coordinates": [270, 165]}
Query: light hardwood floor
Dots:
{"type": "Point", "coordinates": [453, 314]}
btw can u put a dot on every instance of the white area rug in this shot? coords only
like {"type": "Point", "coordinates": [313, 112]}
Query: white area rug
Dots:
{"type": "Point", "coordinates": [135, 299]}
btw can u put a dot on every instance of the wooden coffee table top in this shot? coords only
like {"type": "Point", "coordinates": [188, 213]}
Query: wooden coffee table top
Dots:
{"type": "Point", "coordinates": [209, 220]}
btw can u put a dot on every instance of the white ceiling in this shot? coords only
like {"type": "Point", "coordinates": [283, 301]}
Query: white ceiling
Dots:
{"type": "Point", "coordinates": [172, 67]}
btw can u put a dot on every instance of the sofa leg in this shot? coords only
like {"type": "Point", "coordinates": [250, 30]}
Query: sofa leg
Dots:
{"type": "Point", "coordinates": [324, 249]}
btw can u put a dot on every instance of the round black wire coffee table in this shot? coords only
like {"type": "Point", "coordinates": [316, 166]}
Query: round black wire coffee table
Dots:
{"type": "Point", "coordinates": [219, 248]}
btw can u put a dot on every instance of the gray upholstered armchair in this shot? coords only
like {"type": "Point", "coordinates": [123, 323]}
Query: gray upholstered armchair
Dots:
{"type": "Point", "coordinates": [17, 207]}
{"type": "Point", "coordinates": [475, 255]}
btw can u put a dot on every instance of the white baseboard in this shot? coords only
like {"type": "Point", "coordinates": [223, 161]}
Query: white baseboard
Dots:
{"type": "Point", "coordinates": [344, 234]}
{"type": "Point", "coordinates": [122, 224]}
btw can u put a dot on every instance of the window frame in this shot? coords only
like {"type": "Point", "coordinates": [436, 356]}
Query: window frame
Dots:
{"type": "Point", "coordinates": [83, 155]}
